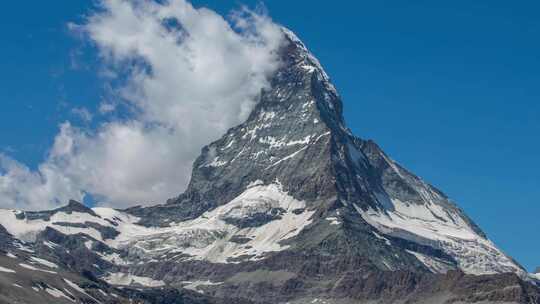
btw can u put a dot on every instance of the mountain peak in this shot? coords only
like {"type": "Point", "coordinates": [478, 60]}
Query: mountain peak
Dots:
{"type": "Point", "coordinates": [298, 59]}
{"type": "Point", "coordinates": [311, 62]}
{"type": "Point", "coordinates": [296, 137]}
{"type": "Point", "coordinates": [294, 119]}
{"type": "Point", "coordinates": [75, 206]}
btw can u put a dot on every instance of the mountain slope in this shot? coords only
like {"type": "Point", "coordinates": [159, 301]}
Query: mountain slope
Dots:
{"type": "Point", "coordinates": [289, 206]}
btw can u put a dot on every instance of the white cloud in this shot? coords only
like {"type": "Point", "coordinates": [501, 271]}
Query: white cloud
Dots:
{"type": "Point", "coordinates": [42, 189]}
{"type": "Point", "coordinates": [82, 113]}
{"type": "Point", "coordinates": [191, 75]}
{"type": "Point", "coordinates": [106, 107]}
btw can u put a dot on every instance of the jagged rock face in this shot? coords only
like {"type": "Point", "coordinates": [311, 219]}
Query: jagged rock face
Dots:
{"type": "Point", "coordinates": [287, 138]}
{"type": "Point", "coordinates": [289, 206]}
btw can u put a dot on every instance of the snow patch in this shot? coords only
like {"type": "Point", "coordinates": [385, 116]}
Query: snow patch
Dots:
{"type": "Point", "coordinates": [27, 230]}
{"type": "Point", "coordinates": [57, 293]}
{"type": "Point", "coordinates": [44, 262]}
{"type": "Point", "coordinates": [79, 289]}
{"type": "Point", "coordinates": [386, 241]}
{"type": "Point", "coordinates": [23, 265]}
{"type": "Point", "coordinates": [292, 155]}
{"type": "Point", "coordinates": [7, 270]}
{"type": "Point", "coordinates": [216, 163]}
{"type": "Point", "coordinates": [195, 285]}
{"type": "Point", "coordinates": [209, 236]}
{"type": "Point", "coordinates": [88, 244]}
{"type": "Point", "coordinates": [442, 228]}
{"type": "Point", "coordinates": [51, 245]}
{"type": "Point", "coordinates": [333, 220]}
{"type": "Point", "coordinates": [431, 263]}
{"type": "Point", "coordinates": [119, 278]}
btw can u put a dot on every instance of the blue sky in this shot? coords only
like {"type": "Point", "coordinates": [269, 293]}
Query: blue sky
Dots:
{"type": "Point", "coordinates": [450, 91]}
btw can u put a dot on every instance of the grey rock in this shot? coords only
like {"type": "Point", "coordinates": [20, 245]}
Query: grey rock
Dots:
{"type": "Point", "coordinates": [105, 231]}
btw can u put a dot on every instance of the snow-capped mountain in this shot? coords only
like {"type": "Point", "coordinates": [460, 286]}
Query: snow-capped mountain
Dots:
{"type": "Point", "coordinates": [289, 206]}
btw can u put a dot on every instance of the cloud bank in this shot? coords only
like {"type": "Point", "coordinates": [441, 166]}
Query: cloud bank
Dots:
{"type": "Point", "coordinates": [187, 75]}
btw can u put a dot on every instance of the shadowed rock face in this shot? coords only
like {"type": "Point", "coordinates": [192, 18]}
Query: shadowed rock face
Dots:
{"type": "Point", "coordinates": [288, 207]}
{"type": "Point", "coordinates": [6, 239]}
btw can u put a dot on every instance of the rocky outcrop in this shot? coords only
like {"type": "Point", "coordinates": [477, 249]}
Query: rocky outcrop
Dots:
{"type": "Point", "coordinates": [72, 206]}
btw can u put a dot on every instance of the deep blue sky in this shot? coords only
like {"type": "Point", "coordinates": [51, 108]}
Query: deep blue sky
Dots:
{"type": "Point", "coordinates": [450, 91]}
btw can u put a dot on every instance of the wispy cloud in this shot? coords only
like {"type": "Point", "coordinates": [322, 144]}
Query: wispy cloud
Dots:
{"type": "Point", "coordinates": [82, 113]}
{"type": "Point", "coordinates": [106, 107]}
{"type": "Point", "coordinates": [191, 75]}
